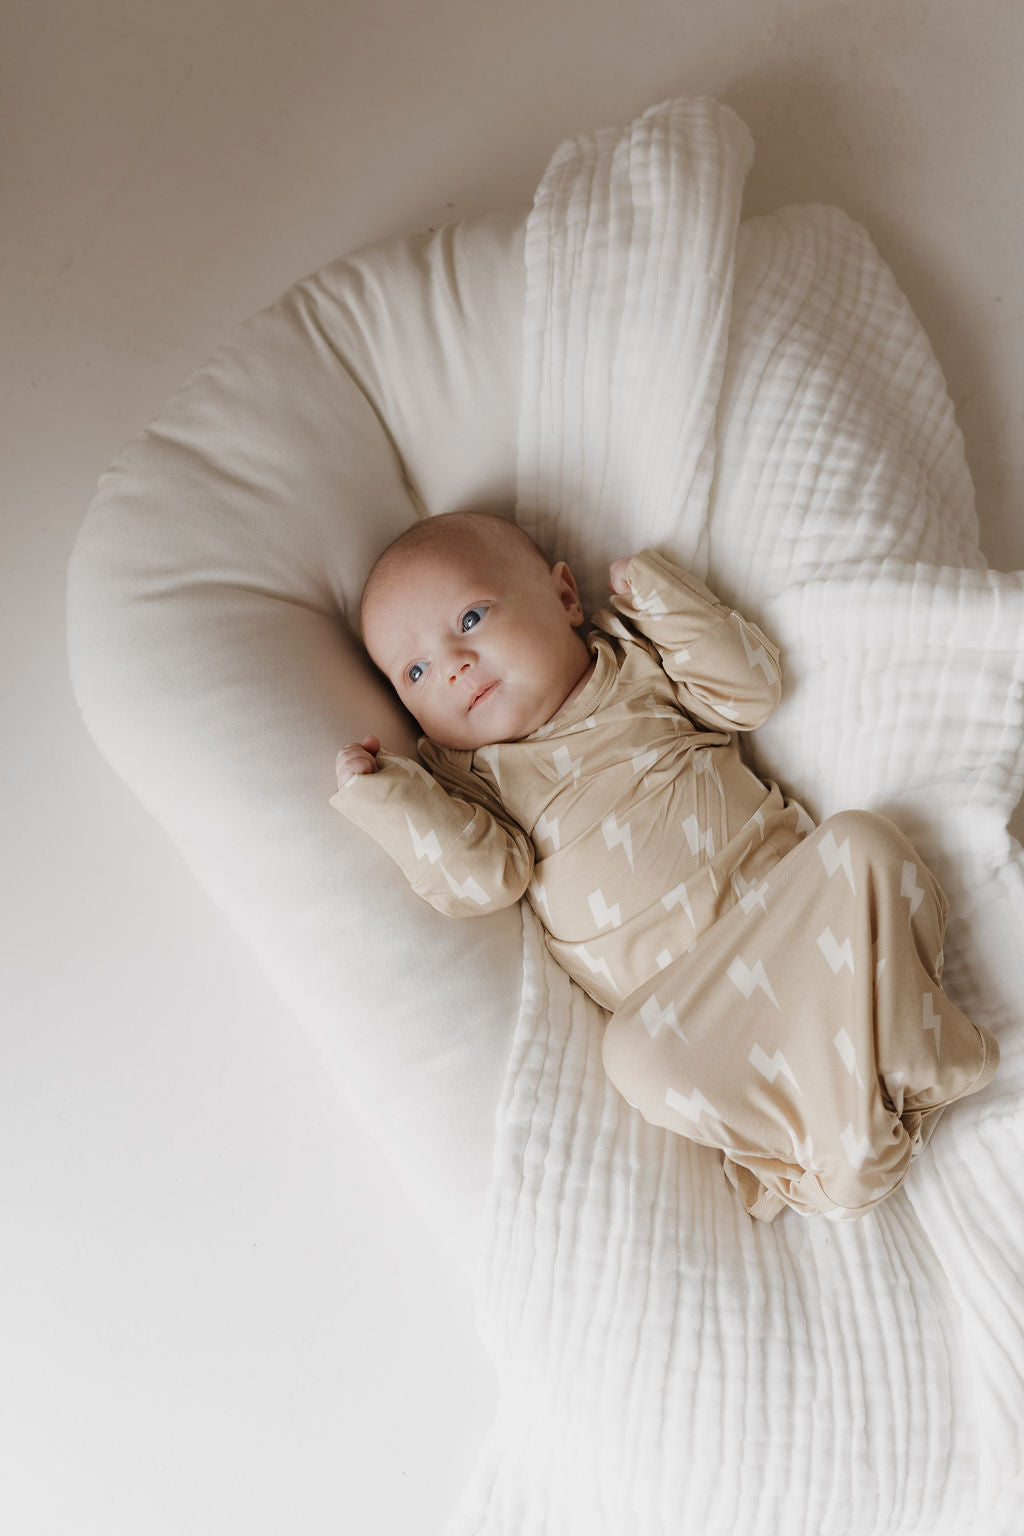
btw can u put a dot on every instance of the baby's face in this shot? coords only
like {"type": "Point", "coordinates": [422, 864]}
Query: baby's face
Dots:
{"type": "Point", "coordinates": [478, 654]}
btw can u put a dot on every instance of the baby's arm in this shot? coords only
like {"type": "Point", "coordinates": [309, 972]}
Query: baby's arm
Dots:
{"type": "Point", "coordinates": [459, 851]}
{"type": "Point", "coordinates": [725, 670]}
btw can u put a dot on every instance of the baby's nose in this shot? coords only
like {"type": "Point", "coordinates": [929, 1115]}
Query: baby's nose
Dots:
{"type": "Point", "coordinates": [456, 669]}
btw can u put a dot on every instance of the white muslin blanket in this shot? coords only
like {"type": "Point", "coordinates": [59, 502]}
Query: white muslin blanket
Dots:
{"type": "Point", "coordinates": [757, 398]}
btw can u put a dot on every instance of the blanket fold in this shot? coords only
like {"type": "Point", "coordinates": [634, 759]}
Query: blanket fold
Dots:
{"type": "Point", "coordinates": [758, 400]}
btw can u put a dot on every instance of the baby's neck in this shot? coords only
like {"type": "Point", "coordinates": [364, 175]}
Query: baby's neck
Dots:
{"type": "Point", "coordinates": [577, 688]}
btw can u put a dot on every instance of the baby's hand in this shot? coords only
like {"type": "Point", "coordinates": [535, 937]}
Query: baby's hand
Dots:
{"type": "Point", "coordinates": [358, 757]}
{"type": "Point", "coordinates": [617, 581]}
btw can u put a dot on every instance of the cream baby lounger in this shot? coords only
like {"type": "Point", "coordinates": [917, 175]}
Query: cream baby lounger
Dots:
{"type": "Point", "coordinates": [628, 365]}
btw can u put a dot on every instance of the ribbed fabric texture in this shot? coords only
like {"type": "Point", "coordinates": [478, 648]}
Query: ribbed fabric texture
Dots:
{"type": "Point", "coordinates": [759, 400]}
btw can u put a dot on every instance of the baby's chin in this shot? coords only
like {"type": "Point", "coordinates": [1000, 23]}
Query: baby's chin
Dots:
{"type": "Point", "coordinates": [474, 743]}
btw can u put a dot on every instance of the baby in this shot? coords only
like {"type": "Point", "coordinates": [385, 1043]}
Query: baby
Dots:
{"type": "Point", "coordinates": [774, 988]}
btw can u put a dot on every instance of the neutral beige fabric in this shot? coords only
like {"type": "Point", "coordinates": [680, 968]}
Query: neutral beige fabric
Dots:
{"type": "Point", "coordinates": [773, 993]}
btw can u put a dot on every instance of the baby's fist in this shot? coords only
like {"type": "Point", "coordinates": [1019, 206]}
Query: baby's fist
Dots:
{"type": "Point", "coordinates": [617, 580]}
{"type": "Point", "coordinates": [358, 757]}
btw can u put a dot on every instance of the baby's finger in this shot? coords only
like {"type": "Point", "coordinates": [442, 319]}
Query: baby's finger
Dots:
{"type": "Point", "coordinates": [351, 761]}
{"type": "Point", "coordinates": [617, 579]}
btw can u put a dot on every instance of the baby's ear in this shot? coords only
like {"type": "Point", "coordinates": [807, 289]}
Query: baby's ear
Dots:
{"type": "Point", "coordinates": [568, 593]}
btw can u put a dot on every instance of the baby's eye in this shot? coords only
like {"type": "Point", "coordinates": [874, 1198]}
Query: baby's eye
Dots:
{"type": "Point", "coordinates": [415, 672]}
{"type": "Point", "coordinates": [471, 618]}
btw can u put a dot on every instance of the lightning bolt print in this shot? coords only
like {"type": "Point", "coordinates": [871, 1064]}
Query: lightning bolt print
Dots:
{"type": "Point", "coordinates": [605, 916]}
{"type": "Point", "coordinates": [698, 839]}
{"type": "Point", "coordinates": [618, 837]}
{"type": "Point", "coordinates": [566, 764]}
{"type": "Point", "coordinates": [835, 953]}
{"type": "Point", "coordinates": [595, 967]}
{"type": "Point", "coordinates": [770, 1066]}
{"type": "Point", "coordinates": [425, 847]}
{"type": "Point", "coordinates": [467, 887]}
{"type": "Point", "coordinates": [909, 886]}
{"type": "Point", "coordinates": [757, 656]}
{"type": "Point", "coordinates": [678, 898]}
{"type": "Point", "coordinates": [415, 770]}
{"type": "Point", "coordinates": [655, 1016]}
{"type": "Point", "coordinates": [847, 1055]}
{"type": "Point", "coordinates": [691, 1106]}
{"type": "Point", "coordinates": [653, 606]}
{"type": "Point", "coordinates": [748, 979]}
{"type": "Point", "coordinates": [546, 830]}
{"type": "Point", "coordinates": [836, 856]}
{"type": "Point", "coordinates": [749, 894]}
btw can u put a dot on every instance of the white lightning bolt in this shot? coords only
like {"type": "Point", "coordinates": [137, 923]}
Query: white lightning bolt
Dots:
{"type": "Point", "coordinates": [678, 898]}
{"type": "Point", "coordinates": [546, 830]}
{"type": "Point", "coordinates": [757, 656]}
{"type": "Point", "coordinates": [691, 1106]}
{"type": "Point", "coordinates": [746, 978]}
{"type": "Point", "coordinates": [654, 1016]}
{"type": "Point", "coordinates": [644, 760]}
{"type": "Point", "coordinates": [597, 967]}
{"type": "Point", "coordinates": [749, 894]}
{"type": "Point", "coordinates": [847, 1054]}
{"type": "Point", "coordinates": [910, 888]}
{"type": "Point", "coordinates": [415, 770]}
{"type": "Point", "coordinates": [836, 856]}
{"type": "Point", "coordinates": [540, 897]}
{"type": "Point", "coordinates": [426, 847]}
{"type": "Point", "coordinates": [605, 916]}
{"type": "Point", "coordinates": [770, 1066]}
{"type": "Point", "coordinates": [835, 953]}
{"type": "Point", "coordinates": [931, 1020]}
{"type": "Point", "coordinates": [653, 605]}
{"type": "Point", "coordinates": [565, 763]}
{"type": "Point", "coordinates": [663, 959]}
{"type": "Point", "coordinates": [857, 1148]}
{"type": "Point", "coordinates": [616, 836]}
{"type": "Point", "coordinates": [468, 887]}
{"type": "Point", "coordinates": [698, 839]}
{"type": "Point", "coordinates": [802, 1150]}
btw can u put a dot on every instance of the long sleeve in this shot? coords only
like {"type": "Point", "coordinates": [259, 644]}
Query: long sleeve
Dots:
{"type": "Point", "coordinates": [458, 848]}
{"type": "Point", "coordinates": [725, 671]}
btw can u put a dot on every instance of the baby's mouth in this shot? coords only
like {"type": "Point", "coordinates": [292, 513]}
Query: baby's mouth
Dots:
{"type": "Point", "coordinates": [482, 694]}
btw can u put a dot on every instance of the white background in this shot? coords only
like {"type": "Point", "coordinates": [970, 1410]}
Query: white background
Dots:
{"type": "Point", "coordinates": [218, 1313]}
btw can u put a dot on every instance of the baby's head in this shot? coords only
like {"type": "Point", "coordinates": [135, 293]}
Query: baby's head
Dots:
{"type": "Point", "coordinates": [477, 634]}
